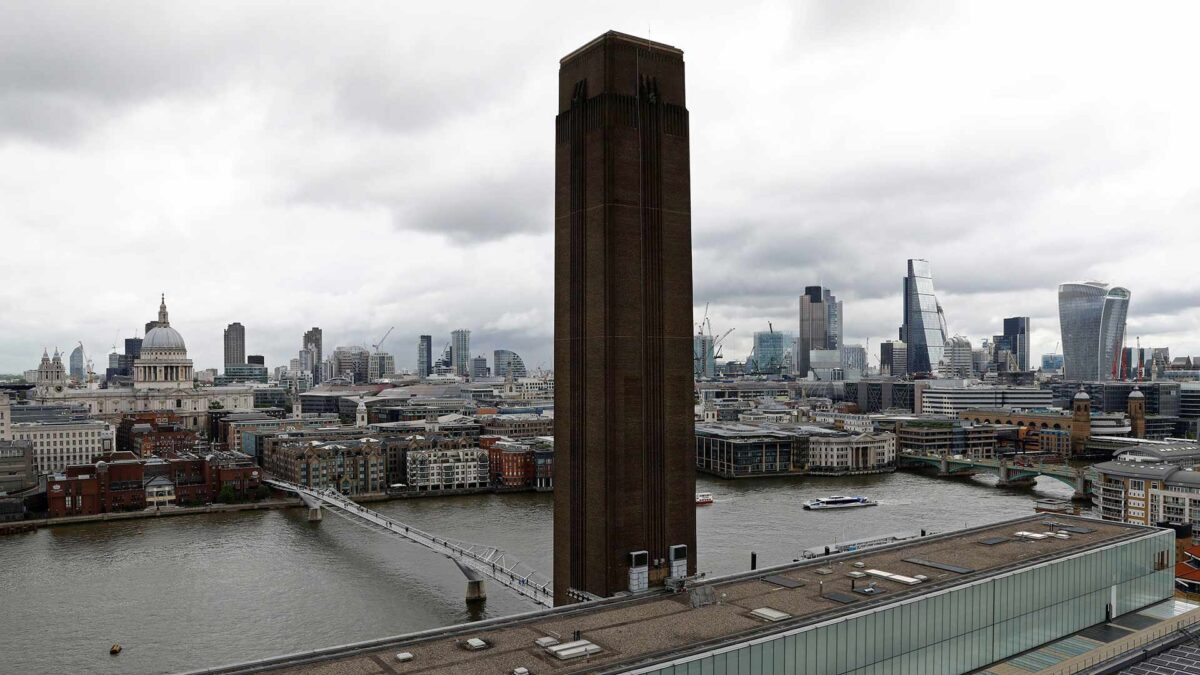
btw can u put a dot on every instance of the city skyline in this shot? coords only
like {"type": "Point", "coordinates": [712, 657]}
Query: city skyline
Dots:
{"type": "Point", "coordinates": [1056, 161]}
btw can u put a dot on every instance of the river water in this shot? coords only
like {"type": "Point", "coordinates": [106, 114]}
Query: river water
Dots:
{"type": "Point", "coordinates": [194, 591]}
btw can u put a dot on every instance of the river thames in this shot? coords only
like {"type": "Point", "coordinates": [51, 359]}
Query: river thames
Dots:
{"type": "Point", "coordinates": [196, 591]}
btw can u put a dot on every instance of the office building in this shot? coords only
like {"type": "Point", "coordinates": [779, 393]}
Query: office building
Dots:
{"type": "Point", "coordinates": [1052, 363]}
{"type": "Point", "coordinates": [942, 398]}
{"type": "Point", "coordinates": [770, 355]}
{"type": "Point", "coordinates": [878, 395]}
{"type": "Point", "coordinates": [946, 437]}
{"type": "Point", "coordinates": [854, 358]}
{"type": "Point", "coordinates": [460, 352]}
{"type": "Point", "coordinates": [893, 358]}
{"type": "Point", "coordinates": [235, 344]}
{"type": "Point", "coordinates": [1016, 341]}
{"type": "Point", "coordinates": [479, 367]}
{"type": "Point", "coordinates": [1092, 318]}
{"type": "Point", "coordinates": [958, 358]}
{"type": "Point", "coordinates": [242, 372]}
{"type": "Point", "coordinates": [704, 362]}
{"type": "Point", "coordinates": [256, 360]}
{"type": "Point", "coordinates": [76, 364]}
{"type": "Point", "coordinates": [380, 364]}
{"type": "Point", "coordinates": [312, 342]}
{"type": "Point", "coordinates": [820, 325]}
{"type": "Point", "coordinates": [352, 363]}
{"type": "Point", "coordinates": [57, 445]}
{"type": "Point", "coordinates": [17, 470]}
{"type": "Point", "coordinates": [424, 356]}
{"type": "Point", "coordinates": [624, 499]}
{"type": "Point", "coordinates": [924, 328]}
{"type": "Point", "coordinates": [508, 364]}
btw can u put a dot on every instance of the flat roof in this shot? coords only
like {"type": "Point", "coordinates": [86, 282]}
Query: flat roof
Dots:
{"type": "Point", "coordinates": [647, 628]}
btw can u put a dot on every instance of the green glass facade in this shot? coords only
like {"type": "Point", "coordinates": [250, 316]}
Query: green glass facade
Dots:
{"type": "Point", "coordinates": [962, 628]}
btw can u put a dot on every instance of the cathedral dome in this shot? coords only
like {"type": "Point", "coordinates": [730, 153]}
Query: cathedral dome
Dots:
{"type": "Point", "coordinates": [163, 337]}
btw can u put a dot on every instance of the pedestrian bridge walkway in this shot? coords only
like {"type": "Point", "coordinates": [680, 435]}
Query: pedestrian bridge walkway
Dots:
{"type": "Point", "coordinates": [477, 561]}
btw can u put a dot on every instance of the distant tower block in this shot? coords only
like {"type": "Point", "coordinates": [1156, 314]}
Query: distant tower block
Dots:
{"type": "Point", "coordinates": [625, 472]}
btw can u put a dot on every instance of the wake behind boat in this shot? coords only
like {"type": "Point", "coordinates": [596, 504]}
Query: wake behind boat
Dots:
{"type": "Point", "coordinates": [838, 502]}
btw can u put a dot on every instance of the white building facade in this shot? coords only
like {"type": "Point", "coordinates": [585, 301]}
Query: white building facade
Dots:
{"type": "Point", "coordinates": [57, 445]}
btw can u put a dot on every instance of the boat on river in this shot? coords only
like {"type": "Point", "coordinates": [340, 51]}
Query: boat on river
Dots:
{"type": "Point", "coordinates": [838, 502]}
{"type": "Point", "coordinates": [704, 498]}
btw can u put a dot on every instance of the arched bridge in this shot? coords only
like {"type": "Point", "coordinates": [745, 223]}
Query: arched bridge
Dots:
{"type": "Point", "coordinates": [477, 561]}
{"type": "Point", "coordinates": [1010, 473]}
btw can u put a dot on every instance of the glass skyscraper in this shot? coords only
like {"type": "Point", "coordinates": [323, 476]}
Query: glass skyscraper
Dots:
{"type": "Point", "coordinates": [1092, 315]}
{"type": "Point", "coordinates": [924, 329]}
{"type": "Point", "coordinates": [770, 349]}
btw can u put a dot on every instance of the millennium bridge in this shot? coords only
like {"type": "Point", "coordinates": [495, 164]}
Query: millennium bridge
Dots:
{"type": "Point", "coordinates": [477, 561]}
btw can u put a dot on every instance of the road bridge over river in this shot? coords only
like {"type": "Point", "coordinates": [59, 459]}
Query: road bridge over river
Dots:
{"type": "Point", "coordinates": [1009, 472]}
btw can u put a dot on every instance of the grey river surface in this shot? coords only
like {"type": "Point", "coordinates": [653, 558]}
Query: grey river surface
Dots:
{"type": "Point", "coordinates": [195, 591]}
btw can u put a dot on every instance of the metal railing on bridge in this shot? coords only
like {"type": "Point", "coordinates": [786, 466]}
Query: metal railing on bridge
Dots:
{"type": "Point", "coordinates": [475, 560]}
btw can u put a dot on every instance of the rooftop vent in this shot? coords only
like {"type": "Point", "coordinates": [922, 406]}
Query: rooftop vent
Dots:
{"type": "Point", "coordinates": [1030, 535]}
{"type": "Point", "coordinates": [573, 650]}
{"type": "Point", "coordinates": [475, 644]}
{"type": "Point", "coordinates": [404, 657]}
{"type": "Point", "coordinates": [520, 670]}
{"type": "Point", "coordinates": [768, 614]}
{"type": "Point", "coordinates": [856, 575]}
{"type": "Point", "coordinates": [898, 578]}
{"type": "Point", "coordinates": [546, 642]}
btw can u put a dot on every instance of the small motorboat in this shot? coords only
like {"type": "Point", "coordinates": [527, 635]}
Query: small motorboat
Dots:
{"type": "Point", "coordinates": [838, 502]}
{"type": "Point", "coordinates": [115, 649]}
{"type": "Point", "coordinates": [703, 498]}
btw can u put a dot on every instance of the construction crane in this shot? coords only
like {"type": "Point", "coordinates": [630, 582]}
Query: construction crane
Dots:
{"type": "Point", "coordinates": [89, 375]}
{"type": "Point", "coordinates": [383, 339]}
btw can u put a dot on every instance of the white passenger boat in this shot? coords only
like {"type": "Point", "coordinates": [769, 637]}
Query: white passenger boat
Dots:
{"type": "Point", "coordinates": [703, 498]}
{"type": "Point", "coordinates": [838, 502]}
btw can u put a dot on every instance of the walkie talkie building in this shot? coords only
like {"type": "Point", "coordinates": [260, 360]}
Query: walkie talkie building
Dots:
{"type": "Point", "coordinates": [1092, 315]}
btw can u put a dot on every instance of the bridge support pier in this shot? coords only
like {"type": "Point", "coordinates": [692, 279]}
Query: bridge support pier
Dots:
{"type": "Point", "coordinates": [314, 514]}
{"type": "Point", "coordinates": [476, 591]}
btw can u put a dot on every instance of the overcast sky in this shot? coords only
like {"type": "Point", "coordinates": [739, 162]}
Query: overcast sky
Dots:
{"type": "Point", "coordinates": [357, 166]}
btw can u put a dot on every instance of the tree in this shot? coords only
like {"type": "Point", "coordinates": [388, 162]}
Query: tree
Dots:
{"type": "Point", "coordinates": [227, 495]}
{"type": "Point", "coordinates": [262, 492]}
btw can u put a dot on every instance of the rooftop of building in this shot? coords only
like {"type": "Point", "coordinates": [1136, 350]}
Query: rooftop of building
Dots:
{"type": "Point", "coordinates": [1165, 451]}
{"type": "Point", "coordinates": [656, 626]}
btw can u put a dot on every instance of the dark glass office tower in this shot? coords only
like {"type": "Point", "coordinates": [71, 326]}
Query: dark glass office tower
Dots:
{"type": "Point", "coordinates": [1016, 340]}
{"type": "Point", "coordinates": [624, 494]}
{"type": "Point", "coordinates": [924, 328]}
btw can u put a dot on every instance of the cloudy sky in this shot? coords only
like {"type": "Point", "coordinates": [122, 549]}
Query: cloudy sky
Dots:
{"type": "Point", "coordinates": [363, 165]}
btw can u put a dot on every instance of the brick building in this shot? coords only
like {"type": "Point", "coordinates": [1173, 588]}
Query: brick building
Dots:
{"type": "Point", "coordinates": [518, 426]}
{"type": "Point", "coordinates": [147, 434]}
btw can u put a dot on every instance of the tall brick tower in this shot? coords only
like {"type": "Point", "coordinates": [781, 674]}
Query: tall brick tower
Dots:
{"type": "Point", "coordinates": [1081, 421]}
{"type": "Point", "coordinates": [1136, 404]}
{"type": "Point", "coordinates": [624, 493]}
